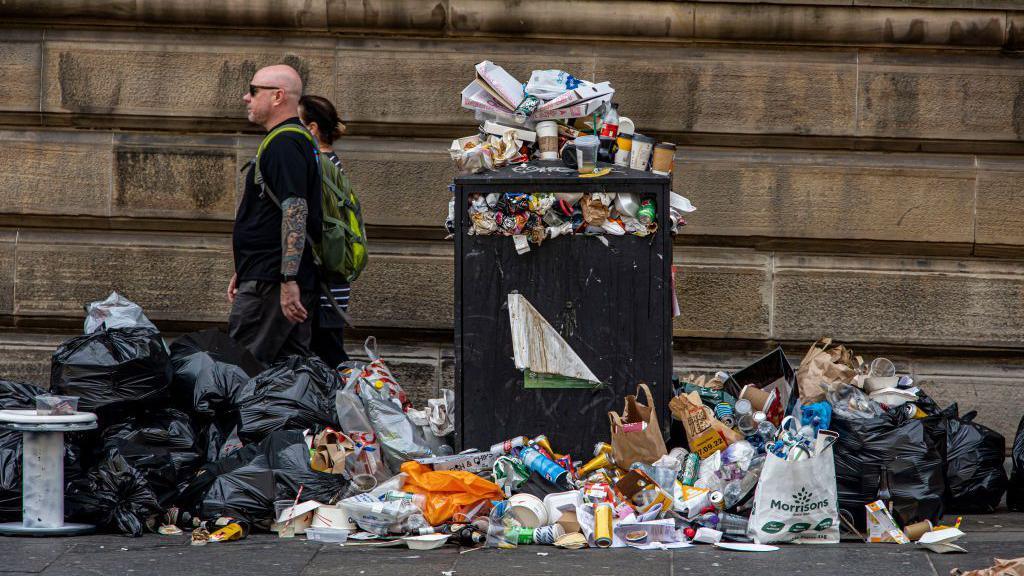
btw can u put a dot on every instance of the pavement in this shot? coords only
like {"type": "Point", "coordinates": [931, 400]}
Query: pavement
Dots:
{"type": "Point", "coordinates": [988, 536]}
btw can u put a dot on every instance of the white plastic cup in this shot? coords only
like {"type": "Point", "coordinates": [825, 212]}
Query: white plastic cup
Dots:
{"type": "Point", "coordinates": [547, 139]}
{"type": "Point", "coordinates": [586, 153]}
{"type": "Point", "coordinates": [640, 154]}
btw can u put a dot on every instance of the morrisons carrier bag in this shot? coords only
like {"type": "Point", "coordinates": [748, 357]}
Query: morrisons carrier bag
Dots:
{"type": "Point", "coordinates": [796, 501]}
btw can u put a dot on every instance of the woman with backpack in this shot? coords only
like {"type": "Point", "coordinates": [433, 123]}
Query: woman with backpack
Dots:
{"type": "Point", "coordinates": [320, 117]}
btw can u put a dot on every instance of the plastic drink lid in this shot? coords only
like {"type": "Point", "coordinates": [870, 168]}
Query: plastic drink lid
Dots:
{"type": "Point", "coordinates": [588, 140]}
{"type": "Point", "coordinates": [743, 406]}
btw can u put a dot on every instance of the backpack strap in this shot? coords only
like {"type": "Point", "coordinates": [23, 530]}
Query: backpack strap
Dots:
{"type": "Point", "coordinates": [266, 142]}
{"type": "Point", "coordinates": [258, 178]}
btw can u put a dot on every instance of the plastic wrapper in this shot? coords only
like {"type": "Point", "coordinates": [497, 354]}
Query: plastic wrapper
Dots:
{"type": "Point", "coordinates": [471, 155]}
{"type": "Point", "coordinates": [502, 529]}
{"type": "Point", "coordinates": [161, 445]}
{"type": "Point", "coordinates": [975, 477]}
{"type": "Point", "coordinates": [910, 452]}
{"type": "Point", "coordinates": [850, 402]}
{"type": "Point", "coordinates": [383, 518]}
{"type": "Point", "coordinates": [246, 483]}
{"type": "Point", "coordinates": [295, 394]}
{"type": "Point", "coordinates": [210, 370]}
{"type": "Point", "coordinates": [1015, 490]}
{"type": "Point", "coordinates": [112, 369]}
{"type": "Point", "coordinates": [447, 491]}
{"type": "Point", "coordinates": [548, 84]}
{"type": "Point", "coordinates": [113, 495]}
{"type": "Point", "coordinates": [115, 312]}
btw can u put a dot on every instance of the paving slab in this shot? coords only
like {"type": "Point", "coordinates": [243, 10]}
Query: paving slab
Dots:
{"type": "Point", "coordinates": [999, 535]}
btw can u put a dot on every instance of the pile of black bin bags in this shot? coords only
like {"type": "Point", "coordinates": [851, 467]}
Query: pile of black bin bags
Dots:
{"type": "Point", "coordinates": [175, 433]}
{"type": "Point", "coordinates": [941, 463]}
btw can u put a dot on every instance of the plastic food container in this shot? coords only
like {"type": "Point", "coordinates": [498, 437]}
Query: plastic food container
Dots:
{"type": "Point", "coordinates": [52, 405]}
{"type": "Point", "coordinates": [329, 535]}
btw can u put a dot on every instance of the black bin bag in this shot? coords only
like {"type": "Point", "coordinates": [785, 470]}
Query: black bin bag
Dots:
{"type": "Point", "coordinates": [295, 394]}
{"type": "Point", "coordinates": [161, 445]}
{"type": "Point", "coordinates": [112, 371]}
{"type": "Point", "coordinates": [114, 495]}
{"type": "Point", "coordinates": [911, 455]}
{"type": "Point", "coordinates": [210, 370]}
{"type": "Point", "coordinates": [975, 477]}
{"type": "Point", "coordinates": [246, 483]}
{"type": "Point", "coordinates": [1015, 491]}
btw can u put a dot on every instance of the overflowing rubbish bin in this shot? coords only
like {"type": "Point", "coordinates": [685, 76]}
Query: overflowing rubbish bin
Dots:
{"type": "Point", "coordinates": [560, 333]}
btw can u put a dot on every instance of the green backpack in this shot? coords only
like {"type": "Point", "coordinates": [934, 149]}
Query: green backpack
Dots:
{"type": "Point", "coordinates": [341, 252]}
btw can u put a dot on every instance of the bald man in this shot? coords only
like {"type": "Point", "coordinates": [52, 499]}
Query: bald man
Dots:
{"type": "Point", "coordinates": [274, 284]}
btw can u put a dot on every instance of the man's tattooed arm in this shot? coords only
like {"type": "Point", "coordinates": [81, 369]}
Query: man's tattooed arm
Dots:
{"type": "Point", "coordinates": [293, 234]}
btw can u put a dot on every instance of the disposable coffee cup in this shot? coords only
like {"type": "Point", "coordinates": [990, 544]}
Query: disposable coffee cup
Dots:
{"type": "Point", "coordinates": [757, 397]}
{"type": "Point", "coordinates": [586, 153]}
{"type": "Point", "coordinates": [547, 136]}
{"type": "Point", "coordinates": [664, 154]}
{"type": "Point", "coordinates": [915, 531]}
{"type": "Point", "coordinates": [625, 143]}
{"type": "Point", "coordinates": [640, 154]}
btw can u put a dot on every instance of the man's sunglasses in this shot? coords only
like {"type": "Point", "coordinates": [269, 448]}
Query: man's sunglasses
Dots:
{"type": "Point", "coordinates": [253, 89]}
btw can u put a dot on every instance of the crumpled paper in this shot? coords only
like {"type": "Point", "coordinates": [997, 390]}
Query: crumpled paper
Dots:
{"type": "Point", "coordinates": [1013, 567]}
{"type": "Point", "coordinates": [595, 212]}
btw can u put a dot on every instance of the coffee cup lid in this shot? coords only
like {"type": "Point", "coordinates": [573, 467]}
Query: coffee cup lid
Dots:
{"type": "Point", "coordinates": [644, 139]}
{"type": "Point", "coordinates": [666, 145]}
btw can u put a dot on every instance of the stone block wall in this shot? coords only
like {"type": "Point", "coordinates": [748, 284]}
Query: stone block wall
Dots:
{"type": "Point", "coordinates": [858, 165]}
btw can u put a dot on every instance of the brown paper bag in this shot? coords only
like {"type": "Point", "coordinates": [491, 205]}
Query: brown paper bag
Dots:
{"type": "Point", "coordinates": [330, 448]}
{"type": "Point", "coordinates": [704, 433]}
{"type": "Point", "coordinates": [646, 445]}
{"type": "Point", "coordinates": [824, 364]}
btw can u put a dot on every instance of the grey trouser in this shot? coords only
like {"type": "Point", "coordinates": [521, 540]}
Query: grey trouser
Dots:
{"type": "Point", "coordinates": [256, 322]}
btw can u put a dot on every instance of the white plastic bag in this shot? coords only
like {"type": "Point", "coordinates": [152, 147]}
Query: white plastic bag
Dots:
{"type": "Point", "coordinates": [115, 312]}
{"type": "Point", "coordinates": [367, 458]}
{"type": "Point", "coordinates": [547, 84]}
{"type": "Point", "coordinates": [796, 501]}
{"type": "Point", "coordinates": [385, 403]}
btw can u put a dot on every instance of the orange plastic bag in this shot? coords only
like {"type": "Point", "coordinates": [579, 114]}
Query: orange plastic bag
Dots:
{"type": "Point", "coordinates": [447, 491]}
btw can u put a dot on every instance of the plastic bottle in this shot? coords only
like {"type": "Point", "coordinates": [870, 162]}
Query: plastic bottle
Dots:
{"type": "Point", "coordinates": [610, 122]}
{"type": "Point", "coordinates": [732, 491]}
{"type": "Point", "coordinates": [765, 429]}
{"type": "Point", "coordinates": [732, 524]}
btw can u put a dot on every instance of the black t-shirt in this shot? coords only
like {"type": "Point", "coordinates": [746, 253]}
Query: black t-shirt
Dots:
{"type": "Point", "coordinates": [289, 168]}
